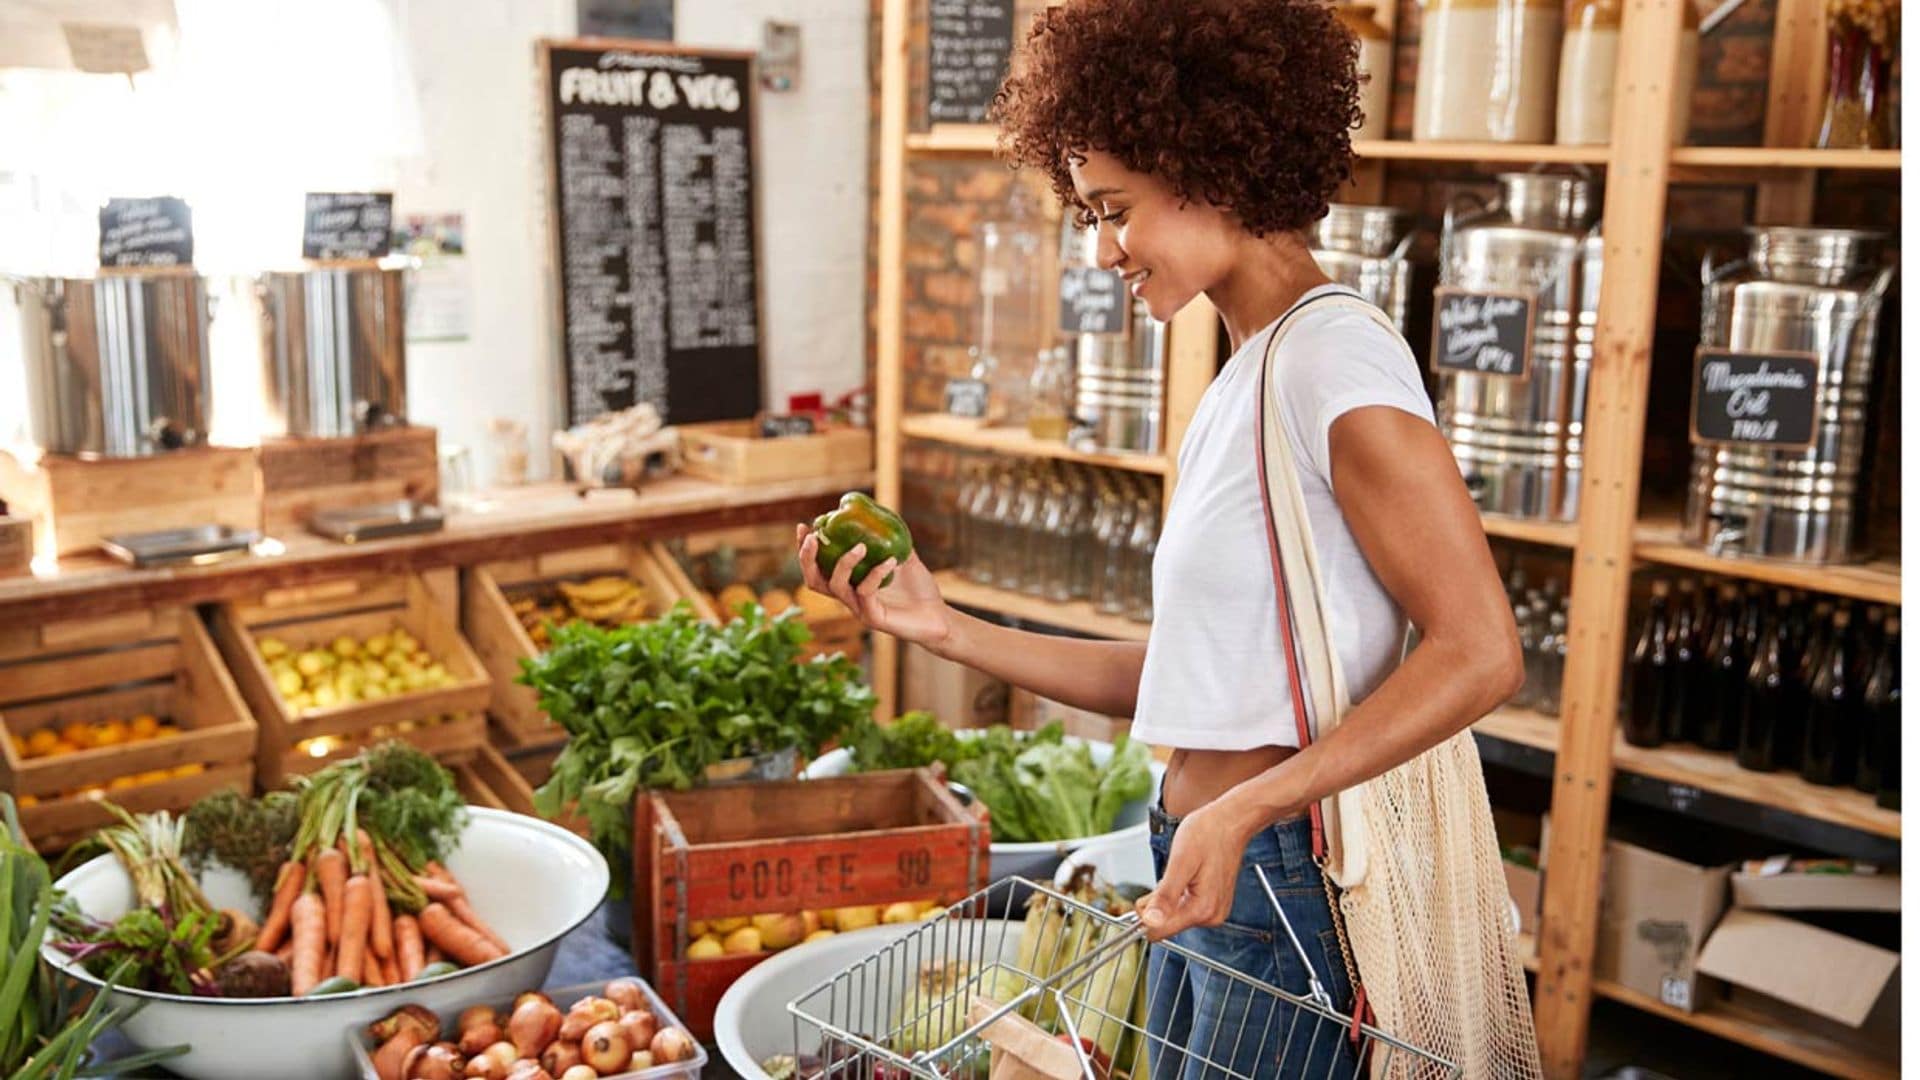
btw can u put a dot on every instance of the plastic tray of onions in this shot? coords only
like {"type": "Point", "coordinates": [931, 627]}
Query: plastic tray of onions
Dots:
{"type": "Point", "coordinates": [619, 1030]}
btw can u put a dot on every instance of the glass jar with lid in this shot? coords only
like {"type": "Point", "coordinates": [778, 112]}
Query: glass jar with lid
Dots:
{"type": "Point", "coordinates": [999, 548]}
{"type": "Point", "coordinates": [1487, 71]}
{"type": "Point", "coordinates": [1375, 67]}
{"type": "Point", "coordinates": [1050, 395]}
{"type": "Point", "coordinates": [1589, 57]}
{"type": "Point", "coordinates": [1142, 541]}
{"type": "Point", "coordinates": [1016, 567]}
{"type": "Point", "coordinates": [1110, 591]}
{"type": "Point", "coordinates": [1012, 325]}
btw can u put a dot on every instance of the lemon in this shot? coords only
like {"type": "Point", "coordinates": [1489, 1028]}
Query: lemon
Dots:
{"type": "Point", "coordinates": [311, 664]}
{"type": "Point", "coordinates": [706, 948]}
{"type": "Point", "coordinates": [272, 648]}
{"type": "Point", "coordinates": [289, 683]}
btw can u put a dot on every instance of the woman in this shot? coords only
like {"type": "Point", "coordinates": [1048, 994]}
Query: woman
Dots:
{"type": "Point", "coordinates": [1202, 138]}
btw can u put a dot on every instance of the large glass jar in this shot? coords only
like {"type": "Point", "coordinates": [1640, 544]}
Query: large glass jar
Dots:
{"type": "Point", "coordinates": [1375, 68]}
{"type": "Point", "coordinates": [1110, 589]}
{"type": "Point", "coordinates": [1589, 55]}
{"type": "Point", "coordinates": [1013, 326]}
{"type": "Point", "coordinates": [1000, 548]}
{"type": "Point", "coordinates": [1862, 36]}
{"type": "Point", "coordinates": [1050, 396]}
{"type": "Point", "coordinates": [1055, 542]}
{"type": "Point", "coordinates": [1487, 71]}
{"type": "Point", "coordinates": [1023, 536]}
{"type": "Point", "coordinates": [1142, 541]}
{"type": "Point", "coordinates": [965, 543]}
{"type": "Point", "coordinates": [1091, 543]}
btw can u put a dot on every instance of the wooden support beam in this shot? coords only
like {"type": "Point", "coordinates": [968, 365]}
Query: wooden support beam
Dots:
{"type": "Point", "coordinates": [1609, 502]}
{"type": "Point", "coordinates": [1191, 343]}
{"type": "Point", "coordinates": [890, 306]}
{"type": "Point", "coordinates": [1796, 90]}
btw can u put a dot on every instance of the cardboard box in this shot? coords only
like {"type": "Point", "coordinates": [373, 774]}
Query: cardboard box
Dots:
{"type": "Point", "coordinates": [1524, 883]}
{"type": "Point", "coordinates": [959, 695]}
{"type": "Point", "coordinates": [1807, 976]}
{"type": "Point", "coordinates": [1817, 892]}
{"type": "Point", "coordinates": [1655, 913]}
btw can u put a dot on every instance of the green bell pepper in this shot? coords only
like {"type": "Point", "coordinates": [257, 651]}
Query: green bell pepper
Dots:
{"type": "Point", "coordinates": [860, 520]}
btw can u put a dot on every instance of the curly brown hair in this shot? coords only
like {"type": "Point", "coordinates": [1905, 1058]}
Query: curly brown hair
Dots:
{"type": "Point", "coordinates": [1248, 105]}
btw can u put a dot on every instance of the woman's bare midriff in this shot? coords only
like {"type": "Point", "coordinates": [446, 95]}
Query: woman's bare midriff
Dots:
{"type": "Point", "coordinates": [1197, 777]}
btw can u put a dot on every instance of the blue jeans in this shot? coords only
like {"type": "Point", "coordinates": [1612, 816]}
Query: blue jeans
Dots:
{"type": "Point", "coordinates": [1206, 1025]}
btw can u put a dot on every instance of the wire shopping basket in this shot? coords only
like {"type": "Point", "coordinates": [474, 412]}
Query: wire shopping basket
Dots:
{"type": "Point", "coordinates": [929, 1004]}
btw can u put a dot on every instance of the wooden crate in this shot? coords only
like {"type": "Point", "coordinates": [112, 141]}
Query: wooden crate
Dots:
{"type": "Point", "coordinates": [311, 616]}
{"type": "Point", "coordinates": [490, 779]}
{"type": "Point", "coordinates": [16, 545]}
{"type": "Point", "coordinates": [790, 846]}
{"type": "Point", "coordinates": [300, 475]}
{"type": "Point", "coordinates": [164, 664]}
{"type": "Point", "coordinates": [732, 452]}
{"type": "Point", "coordinates": [453, 741]}
{"type": "Point", "coordinates": [762, 550]}
{"type": "Point", "coordinates": [502, 642]}
{"type": "Point", "coordinates": [75, 503]}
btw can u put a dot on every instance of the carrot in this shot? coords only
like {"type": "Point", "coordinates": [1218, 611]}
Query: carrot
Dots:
{"type": "Point", "coordinates": [443, 888]}
{"type": "Point", "coordinates": [436, 889]}
{"type": "Point", "coordinates": [285, 952]}
{"type": "Point", "coordinates": [370, 973]}
{"type": "Point", "coordinates": [309, 921]}
{"type": "Point", "coordinates": [355, 921]}
{"type": "Point", "coordinates": [293, 875]}
{"type": "Point", "coordinates": [390, 970]}
{"type": "Point", "coordinates": [382, 939]}
{"type": "Point", "coordinates": [408, 947]}
{"type": "Point", "coordinates": [465, 913]}
{"type": "Point", "coordinates": [434, 955]}
{"type": "Point", "coordinates": [330, 870]}
{"type": "Point", "coordinates": [463, 943]}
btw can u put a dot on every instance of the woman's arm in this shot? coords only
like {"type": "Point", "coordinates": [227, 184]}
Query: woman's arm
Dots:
{"type": "Point", "coordinates": [1100, 676]}
{"type": "Point", "coordinates": [1400, 492]}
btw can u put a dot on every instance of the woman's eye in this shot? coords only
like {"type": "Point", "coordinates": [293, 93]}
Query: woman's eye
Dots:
{"type": "Point", "coordinates": [1117, 217]}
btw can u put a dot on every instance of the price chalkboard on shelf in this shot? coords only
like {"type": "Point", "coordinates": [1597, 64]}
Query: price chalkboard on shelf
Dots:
{"type": "Point", "coordinates": [1092, 301]}
{"type": "Point", "coordinates": [1768, 400]}
{"type": "Point", "coordinates": [969, 43]}
{"type": "Point", "coordinates": [146, 232]}
{"type": "Point", "coordinates": [1481, 332]}
{"type": "Point", "coordinates": [651, 151]}
{"type": "Point", "coordinates": [347, 225]}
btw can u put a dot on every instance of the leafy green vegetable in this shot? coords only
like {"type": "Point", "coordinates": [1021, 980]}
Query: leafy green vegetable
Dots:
{"type": "Point", "coordinates": [652, 705]}
{"type": "Point", "coordinates": [914, 740]}
{"type": "Point", "coordinates": [1128, 776]}
{"type": "Point", "coordinates": [251, 835]}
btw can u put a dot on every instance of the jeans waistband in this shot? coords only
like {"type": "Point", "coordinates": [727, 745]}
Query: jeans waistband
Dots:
{"type": "Point", "coordinates": [1161, 823]}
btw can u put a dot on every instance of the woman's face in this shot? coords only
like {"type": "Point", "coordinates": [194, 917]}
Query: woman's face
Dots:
{"type": "Point", "coordinates": [1168, 251]}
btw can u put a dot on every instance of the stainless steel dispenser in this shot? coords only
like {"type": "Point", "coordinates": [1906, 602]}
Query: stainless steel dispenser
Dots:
{"type": "Point", "coordinates": [333, 342]}
{"type": "Point", "coordinates": [1365, 249]}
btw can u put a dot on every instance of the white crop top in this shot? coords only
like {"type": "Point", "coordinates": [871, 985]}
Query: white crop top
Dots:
{"type": "Point", "coordinates": [1215, 677]}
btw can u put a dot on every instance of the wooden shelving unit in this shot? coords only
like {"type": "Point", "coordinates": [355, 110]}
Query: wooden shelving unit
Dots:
{"type": "Point", "coordinates": [960, 431]}
{"type": "Point", "coordinates": [1078, 616]}
{"type": "Point", "coordinates": [1581, 751]}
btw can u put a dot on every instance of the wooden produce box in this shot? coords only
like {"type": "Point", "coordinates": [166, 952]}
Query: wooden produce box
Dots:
{"type": "Point", "coordinates": [16, 545]}
{"type": "Point", "coordinates": [310, 618]}
{"type": "Point", "coordinates": [788, 847]}
{"type": "Point", "coordinates": [112, 678]}
{"type": "Point", "coordinates": [301, 475]}
{"type": "Point", "coordinates": [491, 780]}
{"type": "Point", "coordinates": [76, 502]}
{"type": "Point", "coordinates": [501, 640]}
{"type": "Point", "coordinates": [733, 452]}
{"type": "Point", "coordinates": [727, 566]}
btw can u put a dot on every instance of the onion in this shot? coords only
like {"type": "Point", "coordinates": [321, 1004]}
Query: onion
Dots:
{"type": "Point", "coordinates": [670, 1045]}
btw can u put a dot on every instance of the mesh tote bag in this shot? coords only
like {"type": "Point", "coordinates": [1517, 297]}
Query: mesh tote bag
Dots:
{"type": "Point", "coordinates": [1410, 857]}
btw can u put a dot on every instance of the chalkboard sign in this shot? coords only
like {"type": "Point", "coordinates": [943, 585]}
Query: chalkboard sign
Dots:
{"type": "Point", "coordinates": [1482, 332]}
{"type": "Point", "coordinates": [348, 225]}
{"type": "Point", "coordinates": [1092, 301]}
{"type": "Point", "coordinates": [1756, 399]}
{"type": "Point", "coordinates": [652, 179]}
{"type": "Point", "coordinates": [146, 232]}
{"type": "Point", "coordinates": [967, 397]}
{"type": "Point", "coordinates": [781, 427]}
{"type": "Point", "coordinates": [969, 43]}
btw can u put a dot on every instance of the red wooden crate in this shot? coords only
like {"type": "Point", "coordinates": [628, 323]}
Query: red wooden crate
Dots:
{"type": "Point", "coordinates": [773, 848]}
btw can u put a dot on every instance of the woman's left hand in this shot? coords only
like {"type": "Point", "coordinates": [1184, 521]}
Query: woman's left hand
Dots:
{"type": "Point", "coordinates": [1203, 870]}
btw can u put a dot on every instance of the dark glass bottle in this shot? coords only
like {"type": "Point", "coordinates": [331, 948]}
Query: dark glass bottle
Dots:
{"type": "Point", "coordinates": [1724, 677]}
{"type": "Point", "coordinates": [1651, 679]}
{"type": "Point", "coordinates": [1878, 772]}
{"type": "Point", "coordinates": [1683, 644]}
{"type": "Point", "coordinates": [1863, 648]}
{"type": "Point", "coordinates": [1807, 642]}
{"type": "Point", "coordinates": [1831, 743]}
{"type": "Point", "coordinates": [1529, 641]}
{"type": "Point", "coordinates": [1760, 705]}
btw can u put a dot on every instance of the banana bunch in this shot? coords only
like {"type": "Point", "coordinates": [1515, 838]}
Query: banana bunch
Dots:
{"type": "Point", "coordinates": [609, 600]}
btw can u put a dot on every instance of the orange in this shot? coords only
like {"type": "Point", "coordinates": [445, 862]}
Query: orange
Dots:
{"type": "Point", "coordinates": [28, 800]}
{"type": "Point", "coordinates": [120, 783]}
{"type": "Point", "coordinates": [166, 730]}
{"type": "Point", "coordinates": [145, 726]}
{"type": "Point", "coordinates": [110, 733]}
{"type": "Point", "coordinates": [189, 770]}
{"type": "Point", "coordinates": [42, 742]}
{"type": "Point", "coordinates": [152, 776]}
{"type": "Point", "coordinates": [77, 733]}
{"type": "Point", "coordinates": [62, 746]}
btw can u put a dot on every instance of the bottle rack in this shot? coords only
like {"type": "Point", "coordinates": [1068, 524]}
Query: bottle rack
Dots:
{"type": "Point", "coordinates": [1581, 752]}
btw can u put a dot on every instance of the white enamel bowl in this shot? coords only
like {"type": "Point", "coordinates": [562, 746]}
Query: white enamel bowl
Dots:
{"type": "Point", "coordinates": [532, 881]}
{"type": "Point", "coordinates": [1034, 861]}
{"type": "Point", "coordinates": [752, 1023]}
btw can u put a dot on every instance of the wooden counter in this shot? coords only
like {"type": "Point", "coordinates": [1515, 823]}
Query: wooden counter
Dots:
{"type": "Point", "coordinates": [502, 524]}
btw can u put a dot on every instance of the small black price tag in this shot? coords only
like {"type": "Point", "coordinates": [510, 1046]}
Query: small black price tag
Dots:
{"type": "Point", "coordinates": [1756, 399]}
{"type": "Point", "coordinates": [781, 427]}
{"type": "Point", "coordinates": [1478, 332]}
{"type": "Point", "coordinates": [348, 225]}
{"type": "Point", "coordinates": [967, 397]}
{"type": "Point", "coordinates": [146, 232]}
{"type": "Point", "coordinates": [1092, 301]}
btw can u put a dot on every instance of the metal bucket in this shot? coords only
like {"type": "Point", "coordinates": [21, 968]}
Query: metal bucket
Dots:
{"type": "Point", "coordinates": [1365, 249]}
{"type": "Point", "coordinates": [1121, 394]}
{"type": "Point", "coordinates": [1816, 291]}
{"type": "Point", "coordinates": [333, 343]}
{"type": "Point", "coordinates": [1518, 440]}
{"type": "Point", "coordinates": [116, 366]}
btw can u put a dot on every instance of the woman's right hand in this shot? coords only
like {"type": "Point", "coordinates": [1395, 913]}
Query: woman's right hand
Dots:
{"type": "Point", "coordinates": [910, 608]}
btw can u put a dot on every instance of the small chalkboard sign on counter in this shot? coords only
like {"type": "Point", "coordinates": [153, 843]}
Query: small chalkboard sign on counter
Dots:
{"type": "Point", "coordinates": [1766, 400]}
{"type": "Point", "coordinates": [1092, 301]}
{"type": "Point", "coordinates": [1482, 332]}
{"type": "Point", "coordinates": [651, 150]}
{"type": "Point", "coordinates": [969, 44]}
{"type": "Point", "coordinates": [146, 233]}
{"type": "Point", "coordinates": [781, 427]}
{"type": "Point", "coordinates": [348, 225]}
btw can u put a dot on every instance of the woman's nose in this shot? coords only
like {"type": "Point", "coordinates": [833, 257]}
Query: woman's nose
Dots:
{"type": "Point", "coordinates": [1107, 251]}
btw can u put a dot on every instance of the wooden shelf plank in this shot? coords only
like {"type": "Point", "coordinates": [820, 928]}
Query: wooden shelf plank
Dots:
{"type": "Point", "coordinates": [1657, 540]}
{"type": "Point", "coordinates": [1763, 1033]}
{"type": "Point", "coordinates": [1503, 153]}
{"type": "Point", "coordinates": [1078, 616]}
{"type": "Point", "coordinates": [1782, 157]}
{"type": "Point", "coordinates": [954, 139]}
{"type": "Point", "coordinates": [960, 431]}
{"type": "Point", "coordinates": [1552, 534]}
{"type": "Point", "coordinates": [1709, 770]}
